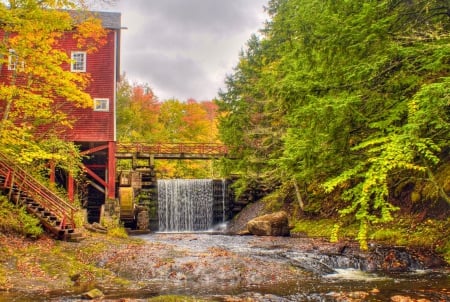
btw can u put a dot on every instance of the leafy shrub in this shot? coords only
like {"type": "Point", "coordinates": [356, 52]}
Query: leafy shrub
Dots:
{"type": "Point", "coordinates": [16, 219]}
{"type": "Point", "coordinates": [115, 228]}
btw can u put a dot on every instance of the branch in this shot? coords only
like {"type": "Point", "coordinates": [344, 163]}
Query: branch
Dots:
{"type": "Point", "coordinates": [441, 191]}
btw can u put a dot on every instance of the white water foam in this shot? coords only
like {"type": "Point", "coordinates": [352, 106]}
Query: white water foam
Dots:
{"type": "Point", "coordinates": [354, 275]}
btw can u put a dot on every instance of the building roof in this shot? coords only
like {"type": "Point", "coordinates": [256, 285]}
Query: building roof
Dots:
{"type": "Point", "coordinates": [110, 20]}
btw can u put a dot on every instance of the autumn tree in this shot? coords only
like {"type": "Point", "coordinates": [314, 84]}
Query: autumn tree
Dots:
{"type": "Point", "coordinates": [35, 81]}
{"type": "Point", "coordinates": [142, 118]}
{"type": "Point", "coordinates": [137, 113]}
{"type": "Point", "coordinates": [187, 122]}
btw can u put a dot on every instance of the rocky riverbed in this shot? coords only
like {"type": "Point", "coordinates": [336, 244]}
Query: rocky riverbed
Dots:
{"type": "Point", "coordinates": [217, 268]}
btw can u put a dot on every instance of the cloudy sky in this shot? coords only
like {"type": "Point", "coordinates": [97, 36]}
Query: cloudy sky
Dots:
{"type": "Point", "coordinates": [184, 48]}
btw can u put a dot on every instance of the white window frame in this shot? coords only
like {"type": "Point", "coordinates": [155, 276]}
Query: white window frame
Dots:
{"type": "Point", "coordinates": [78, 65]}
{"type": "Point", "coordinates": [101, 104]}
{"type": "Point", "coordinates": [13, 61]}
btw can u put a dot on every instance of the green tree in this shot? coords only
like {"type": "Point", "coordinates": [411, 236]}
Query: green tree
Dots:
{"type": "Point", "coordinates": [171, 116]}
{"type": "Point", "coordinates": [358, 93]}
{"type": "Point", "coordinates": [251, 120]}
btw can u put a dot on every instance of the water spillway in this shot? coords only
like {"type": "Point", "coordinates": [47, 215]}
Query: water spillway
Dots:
{"type": "Point", "coordinates": [188, 205]}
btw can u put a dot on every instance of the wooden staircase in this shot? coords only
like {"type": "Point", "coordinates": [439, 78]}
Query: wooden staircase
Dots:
{"type": "Point", "coordinates": [55, 214]}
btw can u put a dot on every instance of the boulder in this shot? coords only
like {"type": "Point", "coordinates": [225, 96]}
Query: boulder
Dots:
{"type": "Point", "coordinates": [239, 223]}
{"type": "Point", "coordinates": [275, 224]}
{"type": "Point", "coordinates": [93, 294]}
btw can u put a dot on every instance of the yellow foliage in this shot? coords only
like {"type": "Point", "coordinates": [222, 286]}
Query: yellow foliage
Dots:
{"type": "Point", "coordinates": [90, 35]}
{"type": "Point", "coordinates": [28, 99]}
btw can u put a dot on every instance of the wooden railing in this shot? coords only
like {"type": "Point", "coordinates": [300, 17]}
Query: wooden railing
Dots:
{"type": "Point", "coordinates": [205, 149]}
{"type": "Point", "coordinates": [15, 178]}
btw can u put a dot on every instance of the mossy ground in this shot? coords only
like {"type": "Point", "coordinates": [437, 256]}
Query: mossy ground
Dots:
{"type": "Point", "coordinates": [48, 265]}
{"type": "Point", "coordinates": [404, 231]}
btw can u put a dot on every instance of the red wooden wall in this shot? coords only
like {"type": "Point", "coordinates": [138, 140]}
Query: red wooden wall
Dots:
{"type": "Point", "coordinates": [90, 125]}
{"type": "Point", "coordinates": [95, 126]}
{"type": "Point", "coordinates": [93, 130]}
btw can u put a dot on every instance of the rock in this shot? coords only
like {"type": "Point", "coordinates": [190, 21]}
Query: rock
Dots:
{"type": "Point", "coordinates": [275, 224]}
{"type": "Point", "coordinates": [243, 233]}
{"type": "Point", "coordinates": [358, 295]}
{"type": "Point", "coordinates": [93, 294]}
{"type": "Point", "coordinates": [375, 291]}
{"type": "Point", "coordinates": [399, 298]}
{"type": "Point", "coordinates": [402, 259]}
{"type": "Point", "coordinates": [75, 277]}
{"type": "Point", "coordinates": [239, 222]}
{"type": "Point", "coordinates": [143, 220]}
{"type": "Point", "coordinates": [96, 228]}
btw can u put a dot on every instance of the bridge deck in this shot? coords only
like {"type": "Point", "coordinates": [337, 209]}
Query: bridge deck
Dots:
{"type": "Point", "coordinates": [171, 151]}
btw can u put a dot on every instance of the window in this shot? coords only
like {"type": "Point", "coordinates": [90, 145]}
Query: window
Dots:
{"type": "Point", "coordinates": [101, 104]}
{"type": "Point", "coordinates": [13, 61]}
{"type": "Point", "coordinates": [78, 61]}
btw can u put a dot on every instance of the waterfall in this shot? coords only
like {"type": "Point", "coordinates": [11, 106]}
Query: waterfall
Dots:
{"type": "Point", "coordinates": [185, 204]}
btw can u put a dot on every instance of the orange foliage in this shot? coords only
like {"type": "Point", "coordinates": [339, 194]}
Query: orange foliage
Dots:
{"type": "Point", "coordinates": [142, 118]}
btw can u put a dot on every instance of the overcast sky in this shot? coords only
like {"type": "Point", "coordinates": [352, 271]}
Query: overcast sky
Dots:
{"type": "Point", "coordinates": [184, 48]}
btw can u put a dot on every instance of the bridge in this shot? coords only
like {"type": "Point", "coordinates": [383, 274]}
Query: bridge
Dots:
{"type": "Point", "coordinates": [171, 150]}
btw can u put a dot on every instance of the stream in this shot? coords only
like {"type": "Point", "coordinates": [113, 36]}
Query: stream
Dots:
{"type": "Point", "coordinates": [217, 267]}
{"type": "Point", "coordinates": [292, 269]}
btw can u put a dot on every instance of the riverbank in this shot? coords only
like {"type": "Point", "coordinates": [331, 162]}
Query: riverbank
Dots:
{"type": "Point", "coordinates": [217, 268]}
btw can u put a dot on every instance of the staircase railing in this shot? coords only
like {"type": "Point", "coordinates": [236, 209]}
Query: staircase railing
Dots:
{"type": "Point", "coordinates": [16, 177]}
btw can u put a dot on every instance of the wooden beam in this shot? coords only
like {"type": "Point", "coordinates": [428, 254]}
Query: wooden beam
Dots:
{"type": "Point", "coordinates": [70, 187]}
{"type": "Point", "coordinates": [111, 171]}
{"type": "Point", "coordinates": [95, 149]}
{"type": "Point", "coordinates": [94, 175]}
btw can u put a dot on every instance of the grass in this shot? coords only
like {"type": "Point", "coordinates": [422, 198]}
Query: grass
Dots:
{"type": "Point", "coordinates": [407, 231]}
{"type": "Point", "coordinates": [114, 226]}
{"type": "Point", "coordinates": [323, 228]}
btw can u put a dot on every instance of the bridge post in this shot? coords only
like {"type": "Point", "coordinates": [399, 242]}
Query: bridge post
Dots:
{"type": "Point", "coordinates": [70, 187]}
{"type": "Point", "coordinates": [111, 181]}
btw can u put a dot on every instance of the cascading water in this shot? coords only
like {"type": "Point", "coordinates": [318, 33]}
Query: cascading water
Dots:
{"type": "Point", "coordinates": [185, 204]}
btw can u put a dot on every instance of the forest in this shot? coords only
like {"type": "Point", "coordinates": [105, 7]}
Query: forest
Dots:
{"type": "Point", "coordinates": [335, 110]}
{"type": "Point", "coordinates": [345, 107]}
